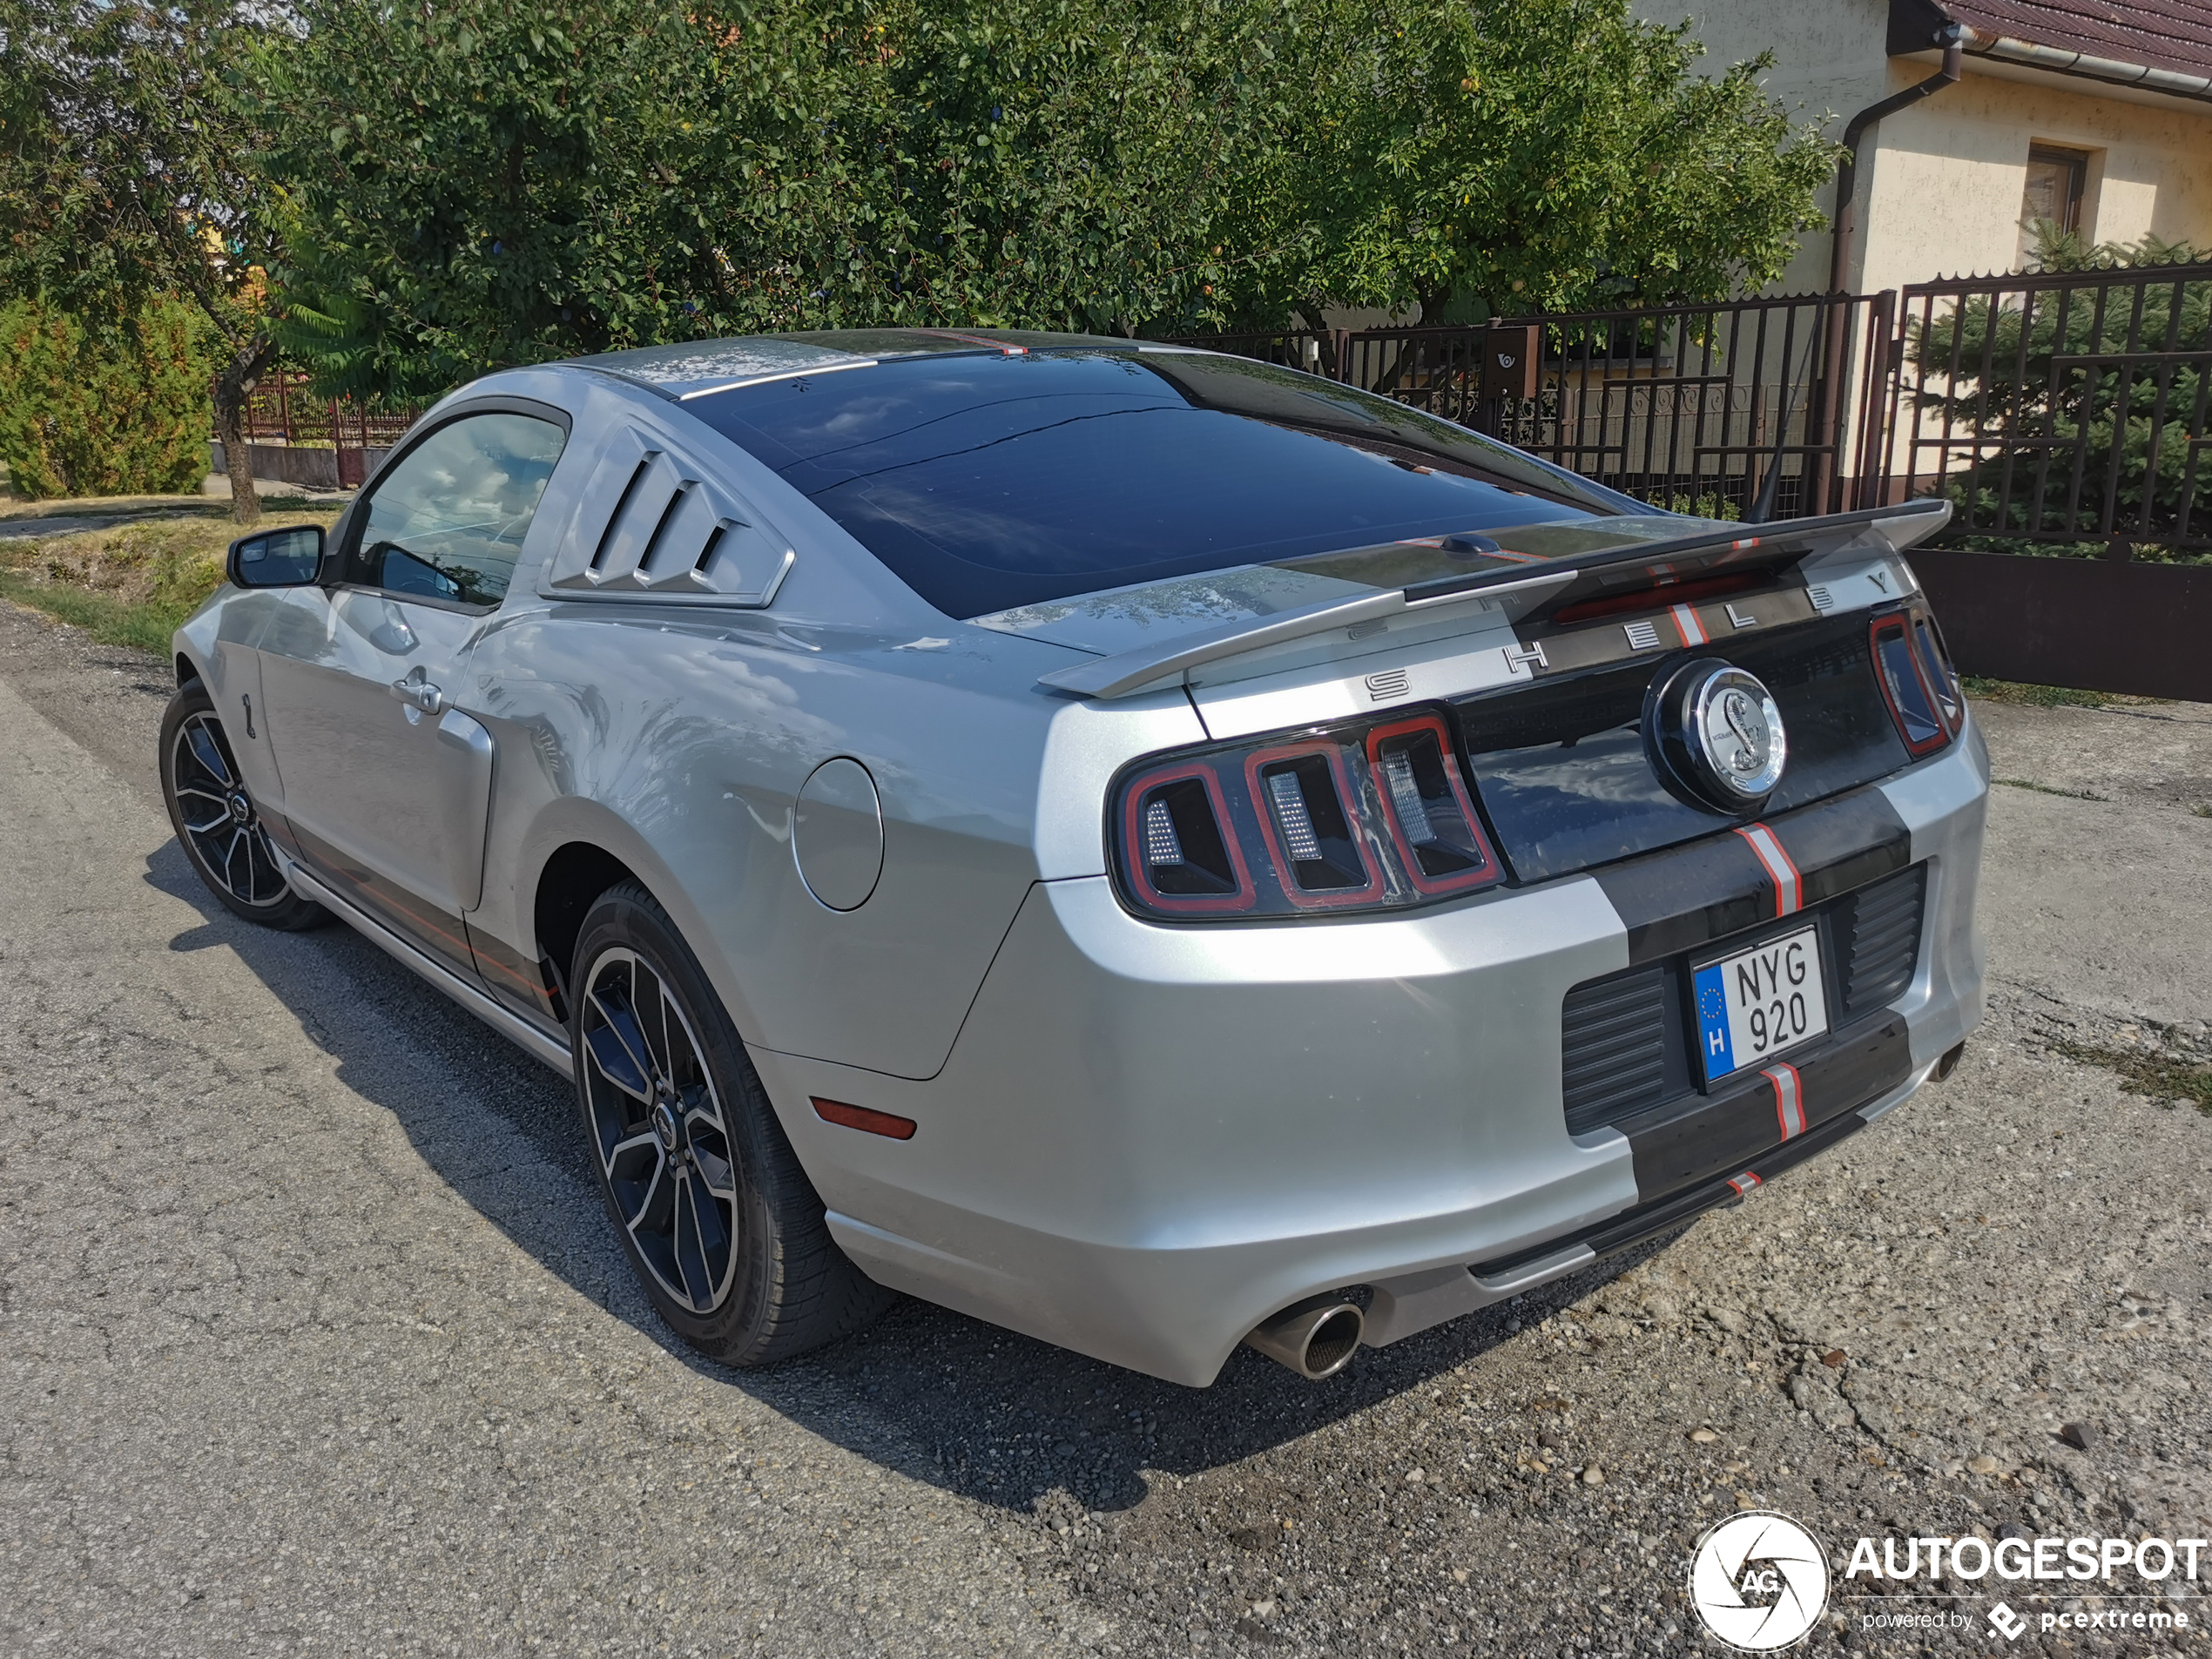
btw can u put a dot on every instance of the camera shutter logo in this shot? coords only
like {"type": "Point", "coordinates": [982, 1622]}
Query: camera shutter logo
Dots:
{"type": "Point", "coordinates": [1759, 1582]}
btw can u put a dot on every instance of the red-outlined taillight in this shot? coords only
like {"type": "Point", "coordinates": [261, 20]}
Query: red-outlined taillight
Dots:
{"type": "Point", "coordinates": [1472, 850]}
{"type": "Point", "coordinates": [1261, 768]}
{"type": "Point", "coordinates": [1153, 787]}
{"type": "Point", "coordinates": [1935, 663]}
{"type": "Point", "coordinates": [1914, 706]}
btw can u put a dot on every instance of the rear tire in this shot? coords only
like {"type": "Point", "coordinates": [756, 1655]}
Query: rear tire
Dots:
{"type": "Point", "coordinates": [218, 821]}
{"type": "Point", "coordinates": [721, 1224]}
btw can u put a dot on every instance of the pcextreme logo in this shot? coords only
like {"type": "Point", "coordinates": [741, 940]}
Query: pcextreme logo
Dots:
{"type": "Point", "coordinates": [1759, 1582]}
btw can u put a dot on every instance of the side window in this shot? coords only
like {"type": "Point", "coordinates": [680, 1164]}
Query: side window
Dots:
{"type": "Point", "coordinates": [447, 521]}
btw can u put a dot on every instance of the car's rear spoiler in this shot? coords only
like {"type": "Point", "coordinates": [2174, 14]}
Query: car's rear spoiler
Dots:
{"type": "Point", "coordinates": [1516, 592]}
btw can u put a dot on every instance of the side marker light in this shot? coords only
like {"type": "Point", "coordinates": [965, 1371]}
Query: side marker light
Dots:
{"type": "Point", "coordinates": [864, 1119]}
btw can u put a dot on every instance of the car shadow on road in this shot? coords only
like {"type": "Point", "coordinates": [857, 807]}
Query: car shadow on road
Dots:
{"type": "Point", "coordinates": [1000, 1418]}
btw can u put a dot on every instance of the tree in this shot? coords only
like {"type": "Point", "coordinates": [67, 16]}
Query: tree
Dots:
{"type": "Point", "coordinates": [83, 416]}
{"type": "Point", "coordinates": [126, 177]}
{"type": "Point", "coordinates": [489, 183]}
{"type": "Point", "coordinates": [509, 187]}
{"type": "Point", "coordinates": [1508, 156]}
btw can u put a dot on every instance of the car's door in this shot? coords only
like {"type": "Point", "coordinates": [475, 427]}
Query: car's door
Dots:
{"type": "Point", "coordinates": [386, 782]}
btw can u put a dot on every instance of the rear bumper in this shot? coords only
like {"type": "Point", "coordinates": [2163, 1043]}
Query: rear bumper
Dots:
{"type": "Point", "coordinates": [1147, 1139]}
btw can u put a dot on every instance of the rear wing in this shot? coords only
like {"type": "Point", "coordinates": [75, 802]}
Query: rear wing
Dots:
{"type": "Point", "coordinates": [1512, 593]}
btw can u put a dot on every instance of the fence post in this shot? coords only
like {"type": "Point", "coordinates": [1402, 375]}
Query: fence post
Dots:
{"type": "Point", "coordinates": [1871, 463]}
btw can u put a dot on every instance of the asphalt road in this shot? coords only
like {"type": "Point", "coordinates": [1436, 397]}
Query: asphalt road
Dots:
{"type": "Point", "coordinates": [313, 1339]}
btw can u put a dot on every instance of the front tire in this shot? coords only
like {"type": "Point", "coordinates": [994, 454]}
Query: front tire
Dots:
{"type": "Point", "coordinates": [721, 1224]}
{"type": "Point", "coordinates": [217, 821]}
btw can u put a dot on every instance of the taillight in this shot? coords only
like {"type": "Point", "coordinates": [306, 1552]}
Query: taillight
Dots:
{"type": "Point", "coordinates": [1432, 817]}
{"type": "Point", "coordinates": [1935, 659]}
{"type": "Point", "coordinates": [1180, 853]}
{"type": "Point", "coordinates": [1365, 816]}
{"type": "Point", "coordinates": [1907, 686]}
{"type": "Point", "coordinates": [1308, 824]}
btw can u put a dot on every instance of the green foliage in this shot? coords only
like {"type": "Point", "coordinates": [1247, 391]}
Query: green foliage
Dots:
{"type": "Point", "coordinates": [1708, 505]}
{"type": "Point", "coordinates": [125, 175]}
{"type": "Point", "coordinates": [1507, 156]}
{"type": "Point", "coordinates": [485, 183]}
{"type": "Point", "coordinates": [82, 414]}
{"type": "Point", "coordinates": [2074, 372]}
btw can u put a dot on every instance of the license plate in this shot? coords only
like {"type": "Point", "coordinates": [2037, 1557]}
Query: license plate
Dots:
{"type": "Point", "coordinates": [1761, 1001]}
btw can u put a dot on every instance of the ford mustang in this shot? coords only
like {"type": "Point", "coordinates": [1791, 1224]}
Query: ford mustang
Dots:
{"type": "Point", "coordinates": [1150, 848]}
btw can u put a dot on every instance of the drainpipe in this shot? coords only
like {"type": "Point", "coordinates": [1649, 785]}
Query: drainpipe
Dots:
{"type": "Point", "coordinates": [1953, 36]}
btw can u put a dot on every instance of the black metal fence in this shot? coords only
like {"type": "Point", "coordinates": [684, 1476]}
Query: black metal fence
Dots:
{"type": "Point", "coordinates": [1691, 407]}
{"type": "Point", "coordinates": [2061, 412]}
{"type": "Point", "coordinates": [2062, 406]}
{"type": "Point", "coordinates": [281, 411]}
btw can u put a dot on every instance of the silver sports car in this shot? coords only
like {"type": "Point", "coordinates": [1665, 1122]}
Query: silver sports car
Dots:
{"type": "Point", "coordinates": [1149, 848]}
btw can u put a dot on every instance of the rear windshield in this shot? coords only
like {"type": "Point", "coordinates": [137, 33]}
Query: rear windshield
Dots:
{"type": "Point", "coordinates": [992, 481]}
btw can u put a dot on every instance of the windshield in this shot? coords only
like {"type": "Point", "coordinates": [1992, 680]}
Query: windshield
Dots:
{"type": "Point", "coordinates": [995, 480]}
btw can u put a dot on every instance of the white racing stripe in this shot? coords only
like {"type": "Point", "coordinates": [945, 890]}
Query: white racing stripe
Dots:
{"type": "Point", "coordinates": [1788, 1099]}
{"type": "Point", "coordinates": [1779, 868]}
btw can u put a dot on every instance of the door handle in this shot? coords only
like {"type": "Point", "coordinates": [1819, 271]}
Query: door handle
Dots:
{"type": "Point", "coordinates": [420, 692]}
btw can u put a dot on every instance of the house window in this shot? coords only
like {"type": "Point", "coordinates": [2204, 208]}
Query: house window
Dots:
{"type": "Point", "coordinates": [2056, 181]}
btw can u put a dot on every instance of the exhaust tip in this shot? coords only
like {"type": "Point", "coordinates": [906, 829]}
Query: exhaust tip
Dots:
{"type": "Point", "coordinates": [1316, 1338]}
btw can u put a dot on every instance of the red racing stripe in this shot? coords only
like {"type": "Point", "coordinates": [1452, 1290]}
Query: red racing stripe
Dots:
{"type": "Point", "coordinates": [1687, 625]}
{"type": "Point", "coordinates": [1744, 1183]}
{"type": "Point", "coordinates": [1788, 885]}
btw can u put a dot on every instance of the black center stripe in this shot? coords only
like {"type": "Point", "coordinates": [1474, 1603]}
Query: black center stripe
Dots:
{"type": "Point", "coordinates": [1687, 896]}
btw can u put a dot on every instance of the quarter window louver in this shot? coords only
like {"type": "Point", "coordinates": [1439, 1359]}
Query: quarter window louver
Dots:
{"type": "Point", "coordinates": [650, 523]}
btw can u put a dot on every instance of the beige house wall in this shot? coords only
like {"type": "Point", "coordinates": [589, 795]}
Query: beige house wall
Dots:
{"type": "Point", "coordinates": [1942, 180]}
{"type": "Point", "coordinates": [1939, 183]}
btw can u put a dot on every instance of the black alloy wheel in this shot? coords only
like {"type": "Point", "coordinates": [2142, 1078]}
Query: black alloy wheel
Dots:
{"type": "Point", "coordinates": [663, 1143]}
{"type": "Point", "coordinates": [217, 821]}
{"type": "Point", "coordinates": [721, 1224]}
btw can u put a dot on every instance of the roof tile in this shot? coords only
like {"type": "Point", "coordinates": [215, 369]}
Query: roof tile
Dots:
{"type": "Point", "coordinates": [2161, 34]}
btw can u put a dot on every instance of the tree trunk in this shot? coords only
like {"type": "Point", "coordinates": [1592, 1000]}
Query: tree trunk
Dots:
{"type": "Point", "coordinates": [245, 366]}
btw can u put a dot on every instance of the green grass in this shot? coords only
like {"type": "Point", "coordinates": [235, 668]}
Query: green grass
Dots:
{"type": "Point", "coordinates": [128, 584]}
{"type": "Point", "coordinates": [2156, 1077]}
{"type": "Point", "coordinates": [145, 625]}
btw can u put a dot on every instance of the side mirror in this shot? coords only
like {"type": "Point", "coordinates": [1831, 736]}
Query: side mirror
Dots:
{"type": "Point", "coordinates": [286, 558]}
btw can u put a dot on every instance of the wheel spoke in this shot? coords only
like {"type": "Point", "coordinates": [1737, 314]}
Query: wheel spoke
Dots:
{"type": "Point", "coordinates": [622, 1026]}
{"type": "Point", "coordinates": [259, 860]}
{"type": "Point", "coordinates": [229, 857]}
{"type": "Point", "coordinates": [652, 1228]}
{"type": "Point", "coordinates": [611, 1059]}
{"type": "Point", "coordinates": [210, 753]}
{"type": "Point", "coordinates": [648, 1007]}
{"type": "Point", "coordinates": [711, 1152]}
{"type": "Point", "coordinates": [711, 1216]}
{"type": "Point", "coordinates": [638, 1174]}
{"type": "Point", "coordinates": [690, 1254]}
